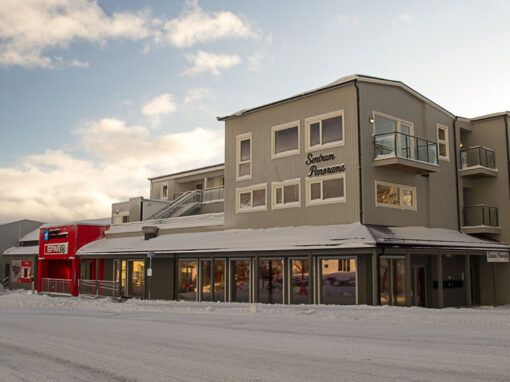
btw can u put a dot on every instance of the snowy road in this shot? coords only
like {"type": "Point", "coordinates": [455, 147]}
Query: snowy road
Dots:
{"type": "Point", "coordinates": [69, 339]}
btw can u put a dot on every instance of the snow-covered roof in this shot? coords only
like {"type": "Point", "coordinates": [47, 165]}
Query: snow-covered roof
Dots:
{"type": "Point", "coordinates": [346, 236]}
{"type": "Point", "coordinates": [30, 250]}
{"type": "Point", "coordinates": [201, 220]}
{"type": "Point", "coordinates": [94, 222]}
{"type": "Point", "coordinates": [31, 236]}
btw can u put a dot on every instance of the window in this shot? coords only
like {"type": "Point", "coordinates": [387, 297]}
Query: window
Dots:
{"type": "Point", "coordinates": [442, 142]}
{"type": "Point", "coordinates": [384, 128]}
{"type": "Point", "coordinates": [251, 198]}
{"type": "Point", "coordinates": [286, 194]}
{"type": "Point", "coordinates": [164, 192]}
{"type": "Point", "coordinates": [326, 189]}
{"type": "Point", "coordinates": [326, 130]}
{"type": "Point", "coordinates": [285, 140]}
{"type": "Point", "coordinates": [243, 155]}
{"type": "Point", "coordinates": [395, 195]}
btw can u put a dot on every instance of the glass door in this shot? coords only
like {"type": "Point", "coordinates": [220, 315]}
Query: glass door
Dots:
{"type": "Point", "coordinates": [271, 281]}
{"type": "Point", "coordinates": [205, 280]}
{"type": "Point", "coordinates": [300, 281]}
{"type": "Point", "coordinates": [392, 281]}
{"type": "Point", "coordinates": [187, 280]}
{"type": "Point", "coordinates": [338, 281]}
{"type": "Point", "coordinates": [419, 286]}
{"type": "Point", "coordinates": [219, 280]}
{"type": "Point", "coordinates": [136, 271]}
{"type": "Point", "coordinates": [240, 280]}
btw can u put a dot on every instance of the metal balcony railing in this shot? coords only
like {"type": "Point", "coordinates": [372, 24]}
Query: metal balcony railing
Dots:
{"type": "Point", "coordinates": [98, 287]}
{"type": "Point", "coordinates": [61, 286]}
{"type": "Point", "coordinates": [481, 215]}
{"type": "Point", "coordinates": [405, 146]}
{"type": "Point", "coordinates": [477, 156]}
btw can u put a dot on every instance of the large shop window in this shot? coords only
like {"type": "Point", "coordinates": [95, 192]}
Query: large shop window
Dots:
{"type": "Point", "coordinates": [285, 140]}
{"type": "Point", "coordinates": [271, 281]}
{"type": "Point", "coordinates": [392, 281]}
{"type": "Point", "coordinates": [250, 199]}
{"type": "Point", "coordinates": [212, 280]}
{"type": "Point", "coordinates": [326, 189]}
{"type": "Point", "coordinates": [131, 276]}
{"type": "Point", "coordinates": [395, 195]}
{"type": "Point", "coordinates": [243, 157]}
{"type": "Point", "coordinates": [300, 281]}
{"type": "Point", "coordinates": [240, 280]}
{"type": "Point", "coordinates": [338, 281]}
{"type": "Point", "coordinates": [187, 280]}
{"type": "Point", "coordinates": [286, 194]}
{"type": "Point", "coordinates": [325, 130]}
{"type": "Point", "coordinates": [442, 142]}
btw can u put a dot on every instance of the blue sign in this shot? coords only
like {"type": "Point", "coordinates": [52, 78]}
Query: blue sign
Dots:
{"type": "Point", "coordinates": [46, 235]}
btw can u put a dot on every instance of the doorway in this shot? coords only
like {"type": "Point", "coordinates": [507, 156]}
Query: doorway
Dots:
{"type": "Point", "coordinates": [392, 281]}
{"type": "Point", "coordinates": [419, 286]}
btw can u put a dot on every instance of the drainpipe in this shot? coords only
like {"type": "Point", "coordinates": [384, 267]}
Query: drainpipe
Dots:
{"type": "Point", "coordinates": [456, 171]}
{"type": "Point", "coordinates": [507, 144]}
{"type": "Point", "coordinates": [361, 220]}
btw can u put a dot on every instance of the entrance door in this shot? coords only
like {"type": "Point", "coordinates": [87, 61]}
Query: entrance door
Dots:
{"type": "Point", "coordinates": [419, 286]}
{"type": "Point", "coordinates": [240, 280]}
{"type": "Point", "coordinates": [392, 281]}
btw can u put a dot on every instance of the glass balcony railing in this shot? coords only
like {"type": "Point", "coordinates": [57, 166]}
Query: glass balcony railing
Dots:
{"type": "Point", "coordinates": [213, 194]}
{"type": "Point", "coordinates": [405, 146]}
{"type": "Point", "coordinates": [477, 156]}
{"type": "Point", "coordinates": [481, 215]}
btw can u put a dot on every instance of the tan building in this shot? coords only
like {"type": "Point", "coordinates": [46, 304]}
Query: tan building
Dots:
{"type": "Point", "coordinates": [359, 192]}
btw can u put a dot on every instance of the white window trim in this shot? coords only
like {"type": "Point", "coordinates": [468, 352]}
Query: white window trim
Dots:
{"type": "Point", "coordinates": [240, 138]}
{"type": "Point", "coordinates": [239, 191]}
{"type": "Point", "coordinates": [288, 153]}
{"type": "Point", "coordinates": [401, 188]}
{"type": "Point", "coordinates": [315, 179]}
{"type": "Point", "coordinates": [290, 182]}
{"type": "Point", "coordinates": [444, 141]}
{"type": "Point", "coordinates": [319, 118]}
{"type": "Point", "coordinates": [398, 120]}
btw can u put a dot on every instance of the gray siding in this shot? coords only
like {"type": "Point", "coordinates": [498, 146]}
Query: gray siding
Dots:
{"type": "Point", "coordinates": [267, 170]}
{"type": "Point", "coordinates": [436, 193]}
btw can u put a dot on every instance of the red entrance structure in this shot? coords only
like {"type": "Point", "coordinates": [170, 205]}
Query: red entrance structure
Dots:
{"type": "Point", "coordinates": [58, 267]}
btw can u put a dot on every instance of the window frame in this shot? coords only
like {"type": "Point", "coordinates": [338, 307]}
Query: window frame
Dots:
{"type": "Point", "coordinates": [289, 182]}
{"type": "Point", "coordinates": [401, 188]}
{"type": "Point", "coordinates": [319, 118]}
{"type": "Point", "coordinates": [321, 179]}
{"type": "Point", "coordinates": [399, 121]}
{"type": "Point", "coordinates": [285, 126]}
{"type": "Point", "coordinates": [445, 141]}
{"type": "Point", "coordinates": [243, 190]}
{"type": "Point", "coordinates": [239, 139]}
{"type": "Point", "coordinates": [162, 195]}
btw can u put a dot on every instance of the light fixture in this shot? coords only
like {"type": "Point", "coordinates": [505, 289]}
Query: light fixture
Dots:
{"type": "Point", "coordinates": [461, 145]}
{"type": "Point", "coordinates": [371, 120]}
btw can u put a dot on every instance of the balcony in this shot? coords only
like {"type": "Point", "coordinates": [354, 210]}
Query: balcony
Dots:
{"type": "Point", "coordinates": [405, 152]}
{"type": "Point", "coordinates": [477, 162]}
{"type": "Point", "coordinates": [481, 219]}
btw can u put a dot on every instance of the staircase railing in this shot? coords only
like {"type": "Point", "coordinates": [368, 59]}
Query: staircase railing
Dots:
{"type": "Point", "coordinates": [187, 197]}
{"type": "Point", "coordinates": [4, 281]}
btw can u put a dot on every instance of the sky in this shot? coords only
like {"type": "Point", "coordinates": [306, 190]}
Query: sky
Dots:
{"type": "Point", "coordinates": [97, 96]}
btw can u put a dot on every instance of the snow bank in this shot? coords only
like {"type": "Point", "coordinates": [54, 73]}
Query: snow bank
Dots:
{"type": "Point", "coordinates": [485, 316]}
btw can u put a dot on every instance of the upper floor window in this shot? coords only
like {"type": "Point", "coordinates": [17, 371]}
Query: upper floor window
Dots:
{"type": "Point", "coordinates": [243, 157]}
{"type": "Point", "coordinates": [286, 194]}
{"type": "Point", "coordinates": [326, 189]}
{"type": "Point", "coordinates": [326, 130]}
{"type": "Point", "coordinates": [395, 195]}
{"type": "Point", "coordinates": [442, 142]}
{"type": "Point", "coordinates": [285, 140]}
{"type": "Point", "coordinates": [251, 198]}
{"type": "Point", "coordinates": [164, 192]}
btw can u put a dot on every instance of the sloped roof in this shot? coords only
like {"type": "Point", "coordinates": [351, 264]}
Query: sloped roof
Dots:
{"type": "Point", "coordinates": [31, 236]}
{"type": "Point", "coordinates": [31, 250]}
{"type": "Point", "coordinates": [340, 82]}
{"type": "Point", "coordinates": [354, 235]}
{"type": "Point", "coordinates": [93, 222]}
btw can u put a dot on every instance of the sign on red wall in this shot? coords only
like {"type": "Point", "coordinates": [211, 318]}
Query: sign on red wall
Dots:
{"type": "Point", "coordinates": [21, 271]}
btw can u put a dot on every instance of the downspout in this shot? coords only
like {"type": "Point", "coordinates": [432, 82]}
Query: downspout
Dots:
{"type": "Point", "coordinates": [361, 220]}
{"type": "Point", "coordinates": [507, 145]}
{"type": "Point", "coordinates": [141, 209]}
{"type": "Point", "coordinates": [456, 171]}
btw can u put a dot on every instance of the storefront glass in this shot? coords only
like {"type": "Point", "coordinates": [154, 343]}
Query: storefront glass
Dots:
{"type": "Point", "coordinates": [300, 281]}
{"type": "Point", "coordinates": [187, 280]}
{"type": "Point", "coordinates": [271, 281]}
{"type": "Point", "coordinates": [392, 281]}
{"type": "Point", "coordinates": [338, 281]}
{"type": "Point", "coordinates": [219, 280]}
{"type": "Point", "coordinates": [398, 275]}
{"type": "Point", "coordinates": [240, 282]}
{"type": "Point", "coordinates": [136, 280]}
{"type": "Point", "coordinates": [384, 280]}
{"type": "Point", "coordinates": [205, 278]}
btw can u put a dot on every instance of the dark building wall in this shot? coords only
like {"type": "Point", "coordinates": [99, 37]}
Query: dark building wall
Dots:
{"type": "Point", "coordinates": [162, 283]}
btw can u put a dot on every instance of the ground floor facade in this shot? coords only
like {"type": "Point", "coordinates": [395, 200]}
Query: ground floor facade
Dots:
{"type": "Point", "coordinates": [419, 277]}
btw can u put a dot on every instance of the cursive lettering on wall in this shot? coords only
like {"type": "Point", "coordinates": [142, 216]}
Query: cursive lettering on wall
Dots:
{"type": "Point", "coordinates": [315, 171]}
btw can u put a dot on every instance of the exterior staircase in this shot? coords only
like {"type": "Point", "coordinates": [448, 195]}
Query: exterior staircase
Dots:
{"type": "Point", "coordinates": [185, 204]}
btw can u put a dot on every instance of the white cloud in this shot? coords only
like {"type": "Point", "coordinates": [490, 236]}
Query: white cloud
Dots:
{"type": "Point", "coordinates": [210, 62]}
{"type": "Point", "coordinates": [56, 185]}
{"type": "Point", "coordinates": [194, 95]}
{"type": "Point", "coordinates": [31, 28]}
{"type": "Point", "coordinates": [79, 64]}
{"type": "Point", "coordinates": [158, 107]}
{"type": "Point", "coordinates": [255, 61]}
{"type": "Point", "coordinates": [405, 18]}
{"type": "Point", "coordinates": [196, 26]}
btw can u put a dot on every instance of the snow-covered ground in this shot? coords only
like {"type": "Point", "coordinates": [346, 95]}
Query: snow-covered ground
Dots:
{"type": "Point", "coordinates": [76, 339]}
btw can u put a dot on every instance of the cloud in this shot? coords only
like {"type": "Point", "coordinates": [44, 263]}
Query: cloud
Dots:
{"type": "Point", "coordinates": [255, 61]}
{"type": "Point", "coordinates": [158, 107]}
{"type": "Point", "coordinates": [194, 95]}
{"type": "Point", "coordinates": [79, 64]}
{"type": "Point", "coordinates": [405, 18]}
{"type": "Point", "coordinates": [196, 26]}
{"type": "Point", "coordinates": [210, 62]}
{"type": "Point", "coordinates": [29, 29]}
{"type": "Point", "coordinates": [56, 185]}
